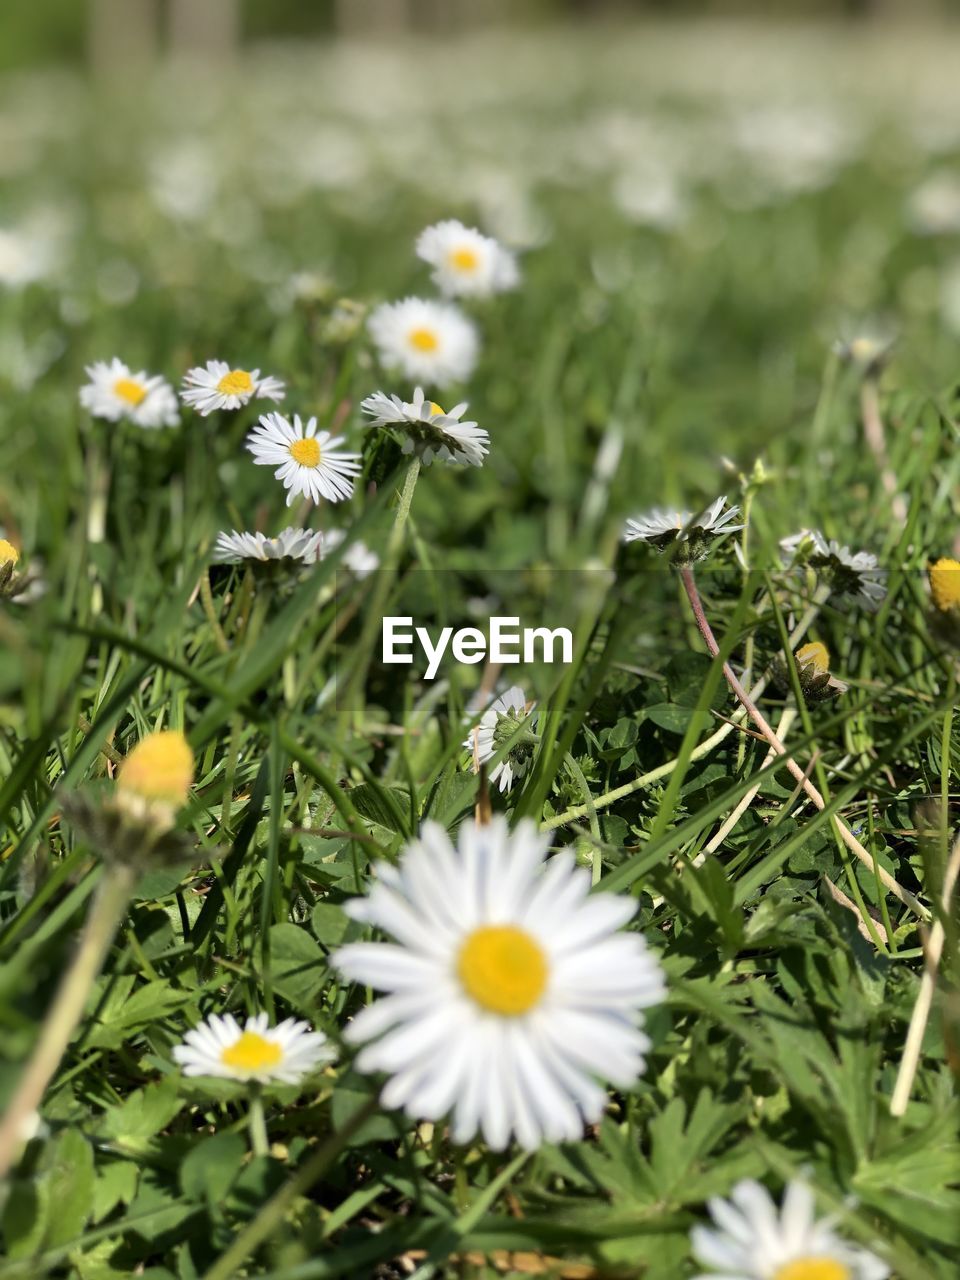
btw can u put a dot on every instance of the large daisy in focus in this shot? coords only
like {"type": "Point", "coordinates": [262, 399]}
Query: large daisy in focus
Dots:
{"type": "Point", "coordinates": [218, 386]}
{"type": "Point", "coordinates": [289, 544]}
{"type": "Point", "coordinates": [115, 393]}
{"type": "Point", "coordinates": [510, 991]}
{"type": "Point", "coordinates": [754, 1241]}
{"type": "Point", "coordinates": [465, 262]}
{"type": "Point", "coordinates": [428, 430]}
{"type": "Point", "coordinates": [431, 341]}
{"type": "Point", "coordinates": [661, 527]}
{"type": "Point", "coordinates": [307, 461]}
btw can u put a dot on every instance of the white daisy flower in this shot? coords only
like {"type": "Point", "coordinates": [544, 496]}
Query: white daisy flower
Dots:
{"type": "Point", "coordinates": [289, 544]}
{"type": "Point", "coordinates": [220, 387]}
{"type": "Point", "coordinates": [428, 430]}
{"type": "Point", "coordinates": [465, 262]}
{"type": "Point", "coordinates": [358, 557]}
{"type": "Point", "coordinates": [661, 527]}
{"type": "Point", "coordinates": [853, 573]}
{"type": "Point", "coordinates": [498, 724]}
{"type": "Point", "coordinates": [284, 1053]}
{"type": "Point", "coordinates": [510, 991]}
{"type": "Point", "coordinates": [115, 393]}
{"type": "Point", "coordinates": [753, 1241]}
{"type": "Point", "coordinates": [433, 341]}
{"type": "Point", "coordinates": [308, 462]}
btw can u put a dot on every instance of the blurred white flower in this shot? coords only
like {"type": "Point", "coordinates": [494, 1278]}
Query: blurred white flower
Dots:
{"type": "Point", "coordinates": [218, 386]}
{"type": "Point", "coordinates": [283, 1054]}
{"type": "Point", "coordinates": [934, 206]}
{"type": "Point", "coordinates": [116, 393]}
{"type": "Point", "coordinates": [752, 1240]}
{"type": "Point", "coordinates": [465, 262]}
{"type": "Point", "coordinates": [358, 557]}
{"type": "Point", "coordinates": [433, 341]}
{"type": "Point", "coordinates": [847, 572]}
{"type": "Point", "coordinates": [428, 430]}
{"type": "Point", "coordinates": [307, 462]}
{"type": "Point", "coordinates": [511, 990]}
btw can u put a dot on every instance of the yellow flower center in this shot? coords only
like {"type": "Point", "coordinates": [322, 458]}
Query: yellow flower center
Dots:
{"type": "Point", "coordinates": [503, 969]}
{"type": "Point", "coordinates": [435, 410]}
{"type": "Point", "coordinates": [813, 1269]}
{"type": "Point", "coordinates": [235, 383]}
{"type": "Point", "coordinates": [133, 392]}
{"type": "Point", "coordinates": [815, 655]}
{"type": "Point", "coordinates": [8, 553]}
{"type": "Point", "coordinates": [864, 349]}
{"type": "Point", "coordinates": [252, 1052]}
{"type": "Point", "coordinates": [160, 767]}
{"type": "Point", "coordinates": [464, 259]}
{"type": "Point", "coordinates": [306, 452]}
{"type": "Point", "coordinates": [945, 584]}
{"type": "Point", "coordinates": [424, 339]}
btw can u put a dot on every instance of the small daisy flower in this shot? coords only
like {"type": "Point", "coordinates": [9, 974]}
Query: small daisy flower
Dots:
{"type": "Point", "coordinates": [662, 528]}
{"type": "Point", "coordinates": [511, 992]}
{"type": "Point", "coordinates": [847, 572]}
{"type": "Point", "coordinates": [289, 544]}
{"type": "Point", "coordinates": [752, 1240]}
{"type": "Point", "coordinates": [428, 430]}
{"type": "Point", "coordinates": [498, 725]}
{"type": "Point", "coordinates": [466, 263]}
{"type": "Point", "coordinates": [813, 672]}
{"type": "Point", "coordinates": [307, 462]}
{"type": "Point", "coordinates": [220, 387]}
{"type": "Point", "coordinates": [283, 1054]}
{"type": "Point", "coordinates": [944, 577]}
{"type": "Point", "coordinates": [433, 341]}
{"type": "Point", "coordinates": [867, 352]}
{"type": "Point", "coordinates": [115, 393]}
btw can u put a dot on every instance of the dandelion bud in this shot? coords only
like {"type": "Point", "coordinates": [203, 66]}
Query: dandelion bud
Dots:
{"type": "Point", "coordinates": [159, 769]}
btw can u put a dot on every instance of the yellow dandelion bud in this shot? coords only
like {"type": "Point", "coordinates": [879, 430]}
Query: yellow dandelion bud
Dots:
{"type": "Point", "coordinates": [9, 555]}
{"type": "Point", "coordinates": [815, 657]}
{"type": "Point", "coordinates": [944, 577]}
{"type": "Point", "coordinates": [159, 769]}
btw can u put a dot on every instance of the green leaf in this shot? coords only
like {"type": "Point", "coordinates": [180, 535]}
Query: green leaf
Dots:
{"type": "Point", "coordinates": [297, 964]}
{"type": "Point", "coordinates": [209, 1169]}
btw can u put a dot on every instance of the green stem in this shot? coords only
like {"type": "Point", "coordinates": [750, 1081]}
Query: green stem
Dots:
{"type": "Point", "coordinates": [700, 750]}
{"type": "Point", "coordinates": [383, 581]}
{"type": "Point", "coordinates": [106, 912]}
{"type": "Point", "coordinates": [275, 1210]}
{"type": "Point", "coordinates": [257, 1121]}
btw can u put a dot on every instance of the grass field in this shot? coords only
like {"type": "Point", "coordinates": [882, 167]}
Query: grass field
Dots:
{"type": "Point", "coordinates": [739, 258]}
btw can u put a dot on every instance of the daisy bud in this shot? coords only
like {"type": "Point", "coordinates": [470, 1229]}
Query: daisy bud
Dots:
{"type": "Point", "coordinates": [944, 576]}
{"type": "Point", "coordinates": [159, 769]}
{"type": "Point", "coordinates": [9, 555]}
{"type": "Point", "coordinates": [813, 670]}
{"type": "Point", "coordinates": [135, 822]}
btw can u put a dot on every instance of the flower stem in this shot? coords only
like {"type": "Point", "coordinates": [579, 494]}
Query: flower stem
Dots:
{"type": "Point", "coordinates": [383, 581]}
{"type": "Point", "coordinates": [257, 1121]}
{"type": "Point", "coordinates": [846, 835]}
{"type": "Point", "coordinates": [273, 1212]}
{"type": "Point", "coordinates": [700, 750]}
{"type": "Point", "coordinates": [106, 912]}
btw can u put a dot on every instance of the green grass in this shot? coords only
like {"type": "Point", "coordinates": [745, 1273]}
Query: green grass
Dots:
{"type": "Point", "coordinates": [701, 347]}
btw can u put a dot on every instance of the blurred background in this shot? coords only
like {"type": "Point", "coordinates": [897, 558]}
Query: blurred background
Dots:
{"type": "Point", "coordinates": [708, 200]}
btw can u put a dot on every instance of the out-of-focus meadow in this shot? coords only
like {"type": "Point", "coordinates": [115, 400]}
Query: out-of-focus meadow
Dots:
{"type": "Point", "coordinates": [715, 218]}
